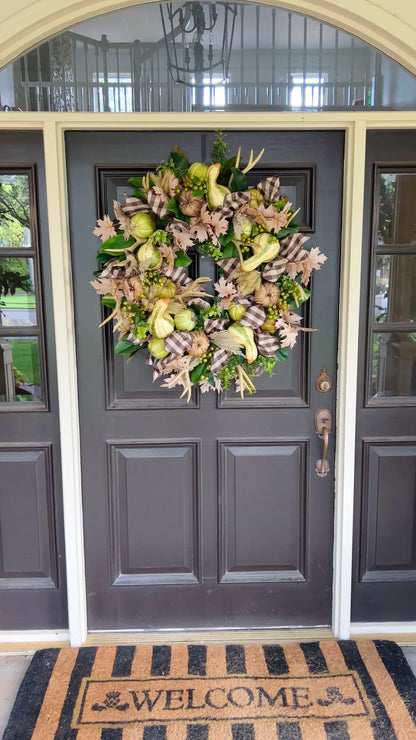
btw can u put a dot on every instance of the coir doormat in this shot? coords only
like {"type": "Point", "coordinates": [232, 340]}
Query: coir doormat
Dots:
{"type": "Point", "coordinates": [310, 691]}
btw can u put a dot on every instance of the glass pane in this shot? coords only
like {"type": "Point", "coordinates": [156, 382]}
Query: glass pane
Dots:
{"type": "Point", "coordinates": [393, 364]}
{"type": "Point", "coordinates": [395, 298]}
{"type": "Point", "coordinates": [14, 211]}
{"type": "Point", "coordinates": [20, 370]}
{"type": "Point", "coordinates": [202, 55]}
{"type": "Point", "coordinates": [397, 216]}
{"type": "Point", "coordinates": [17, 292]}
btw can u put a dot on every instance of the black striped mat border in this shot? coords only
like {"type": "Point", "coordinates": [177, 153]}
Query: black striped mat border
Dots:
{"type": "Point", "coordinates": [49, 699]}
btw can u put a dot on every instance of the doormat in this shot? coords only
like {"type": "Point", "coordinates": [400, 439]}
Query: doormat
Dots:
{"type": "Point", "coordinates": [326, 690]}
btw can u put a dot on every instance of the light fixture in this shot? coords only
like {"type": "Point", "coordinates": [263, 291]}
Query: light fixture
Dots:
{"type": "Point", "coordinates": [198, 37]}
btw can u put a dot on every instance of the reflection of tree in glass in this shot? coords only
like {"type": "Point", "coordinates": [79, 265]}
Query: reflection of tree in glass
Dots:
{"type": "Point", "coordinates": [386, 208]}
{"type": "Point", "coordinates": [14, 276]}
{"type": "Point", "coordinates": [14, 210]}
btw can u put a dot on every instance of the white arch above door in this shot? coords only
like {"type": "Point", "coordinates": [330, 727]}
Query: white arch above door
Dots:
{"type": "Point", "coordinates": [394, 33]}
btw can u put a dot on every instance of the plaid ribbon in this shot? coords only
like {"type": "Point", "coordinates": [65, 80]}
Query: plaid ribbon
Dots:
{"type": "Point", "coordinates": [211, 325]}
{"type": "Point", "coordinates": [254, 317]}
{"type": "Point", "coordinates": [178, 342]}
{"type": "Point", "coordinates": [232, 202]}
{"type": "Point", "coordinates": [266, 343]}
{"type": "Point", "coordinates": [176, 274]}
{"type": "Point", "coordinates": [110, 270]}
{"type": "Point", "coordinates": [292, 245]}
{"type": "Point", "coordinates": [291, 250]}
{"type": "Point", "coordinates": [274, 269]}
{"type": "Point", "coordinates": [159, 366]}
{"type": "Point", "coordinates": [132, 266]}
{"type": "Point", "coordinates": [157, 203]}
{"type": "Point", "coordinates": [219, 360]}
{"type": "Point", "coordinates": [228, 265]}
{"type": "Point", "coordinates": [270, 188]}
{"type": "Point", "coordinates": [134, 205]}
{"type": "Point", "coordinates": [137, 342]}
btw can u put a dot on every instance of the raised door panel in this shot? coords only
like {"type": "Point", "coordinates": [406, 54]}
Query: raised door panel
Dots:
{"type": "Point", "coordinates": [154, 512]}
{"type": "Point", "coordinates": [262, 496]}
{"type": "Point", "coordinates": [27, 529]}
{"type": "Point", "coordinates": [388, 548]}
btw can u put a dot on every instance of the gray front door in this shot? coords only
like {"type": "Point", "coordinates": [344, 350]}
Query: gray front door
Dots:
{"type": "Point", "coordinates": [208, 514]}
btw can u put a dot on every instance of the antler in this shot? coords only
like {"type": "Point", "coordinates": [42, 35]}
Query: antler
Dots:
{"type": "Point", "coordinates": [252, 162]}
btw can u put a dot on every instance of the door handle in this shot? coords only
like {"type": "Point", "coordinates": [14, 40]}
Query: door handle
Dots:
{"type": "Point", "coordinates": [323, 427]}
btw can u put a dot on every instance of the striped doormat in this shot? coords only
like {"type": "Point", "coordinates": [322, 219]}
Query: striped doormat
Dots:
{"type": "Point", "coordinates": [309, 691]}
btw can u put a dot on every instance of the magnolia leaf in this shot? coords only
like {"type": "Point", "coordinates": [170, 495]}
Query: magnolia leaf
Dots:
{"type": "Point", "coordinates": [136, 181]}
{"type": "Point", "coordinates": [198, 371]}
{"type": "Point", "coordinates": [173, 207]}
{"type": "Point", "coordinates": [182, 259]}
{"type": "Point", "coordinates": [281, 354]}
{"type": "Point", "coordinates": [239, 181]}
{"type": "Point", "coordinates": [229, 251]}
{"type": "Point", "coordinates": [179, 160]}
{"type": "Point", "coordinates": [109, 302]}
{"type": "Point", "coordinates": [115, 245]}
{"type": "Point", "coordinates": [124, 347]}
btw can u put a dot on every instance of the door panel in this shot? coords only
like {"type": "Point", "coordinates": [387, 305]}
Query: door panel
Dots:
{"type": "Point", "coordinates": [208, 514]}
{"type": "Point", "coordinates": [32, 575]}
{"type": "Point", "coordinates": [384, 577]}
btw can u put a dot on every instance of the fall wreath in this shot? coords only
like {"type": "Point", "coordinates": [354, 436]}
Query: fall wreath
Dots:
{"type": "Point", "coordinates": [193, 338]}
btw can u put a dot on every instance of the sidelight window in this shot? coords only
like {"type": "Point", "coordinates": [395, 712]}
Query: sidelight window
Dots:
{"type": "Point", "coordinates": [392, 334]}
{"type": "Point", "coordinates": [22, 381]}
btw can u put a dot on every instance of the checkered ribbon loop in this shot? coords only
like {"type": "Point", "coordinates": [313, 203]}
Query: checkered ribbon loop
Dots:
{"type": "Point", "coordinates": [274, 269]}
{"type": "Point", "coordinates": [134, 205]}
{"type": "Point", "coordinates": [232, 203]}
{"type": "Point", "coordinates": [176, 274]}
{"type": "Point", "coordinates": [292, 246]}
{"type": "Point", "coordinates": [211, 325]}
{"type": "Point", "coordinates": [159, 366]}
{"type": "Point", "coordinates": [219, 360]}
{"type": "Point", "coordinates": [254, 317]}
{"type": "Point", "coordinates": [270, 188]}
{"type": "Point", "coordinates": [266, 343]}
{"type": "Point", "coordinates": [137, 342]}
{"type": "Point", "coordinates": [178, 342]}
{"type": "Point", "coordinates": [228, 265]}
{"type": "Point", "coordinates": [157, 203]}
{"type": "Point", "coordinates": [110, 270]}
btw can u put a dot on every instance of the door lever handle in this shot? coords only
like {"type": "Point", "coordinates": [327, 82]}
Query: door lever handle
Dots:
{"type": "Point", "coordinates": [323, 426]}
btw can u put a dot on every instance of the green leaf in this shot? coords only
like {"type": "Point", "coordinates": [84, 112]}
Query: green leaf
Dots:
{"type": "Point", "coordinates": [110, 302]}
{"type": "Point", "coordinates": [173, 207]}
{"type": "Point", "coordinates": [115, 245]}
{"type": "Point", "coordinates": [225, 239]}
{"type": "Point", "coordinates": [230, 250]}
{"type": "Point", "coordinates": [198, 193]}
{"type": "Point", "coordinates": [124, 347]}
{"type": "Point", "coordinates": [182, 259]}
{"type": "Point", "coordinates": [180, 161]}
{"type": "Point", "coordinates": [140, 195]}
{"type": "Point", "coordinates": [281, 354]}
{"type": "Point", "coordinates": [239, 181]}
{"type": "Point", "coordinates": [136, 181]}
{"type": "Point", "coordinates": [289, 230]}
{"type": "Point", "coordinates": [198, 371]}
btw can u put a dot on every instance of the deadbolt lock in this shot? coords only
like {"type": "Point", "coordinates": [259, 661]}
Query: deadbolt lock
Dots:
{"type": "Point", "coordinates": [324, 382]}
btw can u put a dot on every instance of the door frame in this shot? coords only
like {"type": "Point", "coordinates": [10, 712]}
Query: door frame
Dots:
{"type": "Point", "coordinates": [355, 126]}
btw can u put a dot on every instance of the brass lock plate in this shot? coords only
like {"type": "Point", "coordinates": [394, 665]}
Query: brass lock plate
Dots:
{"type": "Point", "coordinates": [324, 382]}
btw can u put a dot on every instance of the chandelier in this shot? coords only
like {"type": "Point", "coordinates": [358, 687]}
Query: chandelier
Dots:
{"type": "Point", "coordinates": [198, 39]}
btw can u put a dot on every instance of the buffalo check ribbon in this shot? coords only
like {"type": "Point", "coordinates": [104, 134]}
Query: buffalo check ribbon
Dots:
{"type": "Point", "coordinates": [266, 343]}
{"type": "Point", "coordinates": [134, 205]}
{"type": "Point", "coordinates": [211, 325]}
{"type": "Point", "coordinates": [232, 203]}
{"type": "Point", "coordinates": [178, 342]}
{"type": "Point", "coordinates": [291, 250]}
{"type": "Point", "coordinates": [228, 265]}
{"type": "Point", "coordinates": [270, 188]}
{"type": "Point", "coordinates": [158, 203]}
{"type": "Point", "coordinates": [176, 274]}
{"type": "Point", "coordinates": [254, 317]}
{"type": "Point", "coordinates": [219, 360]}
{"type": "Point", "coordinates": [159, 366]}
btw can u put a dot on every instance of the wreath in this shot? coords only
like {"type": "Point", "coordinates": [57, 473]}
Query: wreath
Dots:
{"type": "Point", "coordinates": [193, 338]}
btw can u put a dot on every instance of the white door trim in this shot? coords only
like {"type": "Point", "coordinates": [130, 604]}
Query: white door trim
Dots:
{"type": "Point", "coordinates": [355, 125]}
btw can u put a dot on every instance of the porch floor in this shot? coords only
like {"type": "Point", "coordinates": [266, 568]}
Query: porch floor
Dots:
{"type": "Point", "coordinates": [13, 667]}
